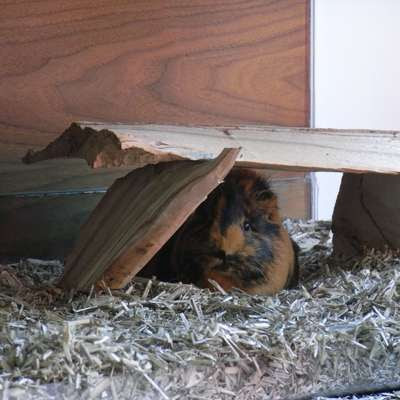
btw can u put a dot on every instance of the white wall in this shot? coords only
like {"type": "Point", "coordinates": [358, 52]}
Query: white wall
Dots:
{"type": "Point", "coordinates": [356, 73]}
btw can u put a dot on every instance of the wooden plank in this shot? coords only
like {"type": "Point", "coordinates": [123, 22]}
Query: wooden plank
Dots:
{"type": "Point", "coordinates": [162, 61]}
{"type": "Point", "coordinates": [61, 215]}
{"type": "Point", "coordinates": [110, 145]}
{"type": "Point", "coordinates": [137, 216]}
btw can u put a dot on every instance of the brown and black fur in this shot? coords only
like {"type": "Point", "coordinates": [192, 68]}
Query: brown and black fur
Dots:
{"type": "Point", "coordinates": [236, 238]}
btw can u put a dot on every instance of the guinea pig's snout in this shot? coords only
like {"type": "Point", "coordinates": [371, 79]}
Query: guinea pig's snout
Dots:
{"type": "Point", "coordinates": [220, 254]}
{"type": "Point", "coordinates": [216, 259]}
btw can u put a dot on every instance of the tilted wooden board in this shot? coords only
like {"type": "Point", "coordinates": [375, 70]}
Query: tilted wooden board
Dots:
{"type": "Point", "coordinates": [138, 214]}
{"type": "Point", "coordinates": [107, 145]}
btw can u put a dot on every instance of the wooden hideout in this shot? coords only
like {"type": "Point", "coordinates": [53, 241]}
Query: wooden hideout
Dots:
{"type": "Point", "coordinates": [183, 164]}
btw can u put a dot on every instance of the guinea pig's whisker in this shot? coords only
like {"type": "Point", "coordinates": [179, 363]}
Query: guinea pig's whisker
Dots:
{"type": "Point", "coordinates": [259, 266]}
{"type": "Point", "coordinates": [204, 254]}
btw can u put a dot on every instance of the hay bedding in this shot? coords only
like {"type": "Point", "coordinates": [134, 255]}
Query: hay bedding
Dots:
{"type": "Point", "coordinates": [157, 341]}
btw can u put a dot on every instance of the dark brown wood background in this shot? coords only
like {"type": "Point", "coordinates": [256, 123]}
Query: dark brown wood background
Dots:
{"type": "Point", "coordinates": [164, 61]}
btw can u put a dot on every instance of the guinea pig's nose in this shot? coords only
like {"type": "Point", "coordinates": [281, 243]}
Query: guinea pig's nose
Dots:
{"type": "Point", "coordinates": [220, 254]}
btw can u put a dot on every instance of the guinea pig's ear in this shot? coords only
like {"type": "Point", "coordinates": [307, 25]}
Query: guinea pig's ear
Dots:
{"type": "Point", "coordinates": [261, 189]}
{"type": "Point", "coordinates": [270, 206]}
{"type": "Point", "coordinates": [264, 194]}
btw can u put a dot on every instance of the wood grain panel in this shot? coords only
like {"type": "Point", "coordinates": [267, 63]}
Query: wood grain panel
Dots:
{"type": "Point", "coordinates": [204, 61]}
{"type": "Point", "coordinates": [164, 61]}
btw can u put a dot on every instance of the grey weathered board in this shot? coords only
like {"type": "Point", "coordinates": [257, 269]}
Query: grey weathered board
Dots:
{"type": "Point", "coordinates": [46, 225]}
{"type": "Point", "coordinates": [42, 226]}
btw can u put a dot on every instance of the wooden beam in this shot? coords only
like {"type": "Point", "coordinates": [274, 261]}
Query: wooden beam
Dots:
{"type": "Point", "coordinates": [110, 145]}
{"type": "Point", "coordinates": [139, 213]}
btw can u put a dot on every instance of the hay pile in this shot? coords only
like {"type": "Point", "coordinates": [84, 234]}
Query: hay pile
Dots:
{"type": "Point", "coordinates": [172, 341]}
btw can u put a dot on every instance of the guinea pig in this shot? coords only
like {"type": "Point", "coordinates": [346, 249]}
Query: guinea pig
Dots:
{"type": "Point", "coordinates": [236, 238]}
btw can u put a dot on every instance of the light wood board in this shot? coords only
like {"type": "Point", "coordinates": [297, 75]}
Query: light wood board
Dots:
{"type": "Point", "coordinates": [110, 145]}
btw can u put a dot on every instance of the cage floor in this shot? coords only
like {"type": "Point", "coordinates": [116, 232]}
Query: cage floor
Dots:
{"type": "Point", "coordinates": [338, 334]}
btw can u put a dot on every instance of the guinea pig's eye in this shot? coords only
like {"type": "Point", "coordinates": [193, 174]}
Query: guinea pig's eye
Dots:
{"type": "Point", "coordinates": [247, 226]}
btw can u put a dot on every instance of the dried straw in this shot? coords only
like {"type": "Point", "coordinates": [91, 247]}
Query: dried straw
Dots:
{"type": "Point", "coordinates": [155, 340]}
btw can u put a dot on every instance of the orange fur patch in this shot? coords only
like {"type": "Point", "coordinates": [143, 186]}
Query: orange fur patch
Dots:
{"type": "Point", "coordinates": [233, 241]}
